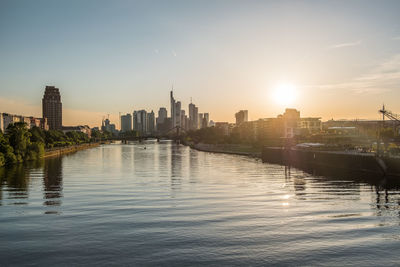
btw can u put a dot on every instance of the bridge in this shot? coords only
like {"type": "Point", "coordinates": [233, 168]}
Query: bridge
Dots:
{"type": "Point", "coordinates": [173, 133]}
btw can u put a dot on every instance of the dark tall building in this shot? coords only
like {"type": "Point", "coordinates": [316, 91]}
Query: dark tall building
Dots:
{"type": "Point", "coordinates": [52, 107]}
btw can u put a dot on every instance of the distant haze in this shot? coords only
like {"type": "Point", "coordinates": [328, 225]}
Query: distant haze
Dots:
{"type": "Point", "coordinates": [118, 56]}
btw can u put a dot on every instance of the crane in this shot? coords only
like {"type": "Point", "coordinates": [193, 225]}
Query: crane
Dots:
{"type": "Point", "coordinates": [390, 115]}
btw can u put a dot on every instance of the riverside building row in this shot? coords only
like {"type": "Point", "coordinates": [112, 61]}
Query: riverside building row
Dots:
{"type": "Point", "coordinates": [290, 124]}
{"type": "Point", "coordinates": [287, 125]}
{"type": "Point", "coordinates": [7, 119]}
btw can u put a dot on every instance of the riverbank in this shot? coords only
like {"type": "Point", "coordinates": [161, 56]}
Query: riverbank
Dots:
{"type": "Point", "coordinates": [242, 150]}
{"type": "Point", "coordinates": [55, 152]}
{"type": "Point", "coordinates": [345, 160]}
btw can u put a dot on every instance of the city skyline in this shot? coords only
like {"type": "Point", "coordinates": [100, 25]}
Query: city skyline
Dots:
{"type": "Point", "coordinates": [235, 51]}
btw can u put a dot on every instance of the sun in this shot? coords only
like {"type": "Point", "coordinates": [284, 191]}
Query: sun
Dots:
{"type": "Point", "coordinates": [284, 93]}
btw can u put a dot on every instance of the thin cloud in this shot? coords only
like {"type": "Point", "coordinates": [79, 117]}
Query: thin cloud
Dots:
{"type": "Point", "coordinates": [396, 38]}
{"type": "Point", "coordinates": [335, 46]}
{"type": "Point", "coordinates": [384, 78]}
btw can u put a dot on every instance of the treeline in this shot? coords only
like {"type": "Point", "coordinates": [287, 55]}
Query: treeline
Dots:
{"type": "Point", "coordinates": [19, 144]}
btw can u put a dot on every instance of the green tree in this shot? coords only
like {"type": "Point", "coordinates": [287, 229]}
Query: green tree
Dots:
{"type": "Point", "coordinates": [19, 139]}
{"type": "Point", "coordinates": [37, 135]}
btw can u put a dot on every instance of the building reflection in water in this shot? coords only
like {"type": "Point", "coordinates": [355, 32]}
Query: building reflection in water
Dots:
{"type": "Point", "coordinates": [176, 166]}
{"type": "Point", "coordinates": [193, 165]}
{"type": "Point", "coordinates": [387, 199]}
{"type": "Point", "coordinates": [52, 182]}
{"type": "Point", "coordinates": [348, 184]}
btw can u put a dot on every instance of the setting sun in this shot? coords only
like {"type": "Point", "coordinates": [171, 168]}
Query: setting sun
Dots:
{"type": "Point", "coordinates": [284, 93]}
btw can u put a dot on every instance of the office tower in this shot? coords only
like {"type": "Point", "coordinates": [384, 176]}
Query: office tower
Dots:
{"type": "Point", "coordinates": [200, 120]}
{"type": "Point", "coordinates": [162, 124]}
{"type": "Point", "coordinates": [126, 123]}
{"type": "Point", "coordinates": [140, 121]}
{"type": "Point", "coordinates": [162, 115]}
{"type": "Point", "coordinates": [196, 118]}
{"type": "Point", "coordinates": [52, 107]}
{"type": "Point", "coordinates": [193, 117]}
{"type": "Point", "coordinates": [172, 99]}
{"type": "Point", "coordinates": [187, 124]}
{"type": "Point", "coordinates": [241, 116]}
{"type": "Point", "coordinates": [183, 120]}
{"type": "Point", "coordinates": [207, 119]}
{"type": "Point", "coordinates": [177, 114]}
{"type": "Point", "coordinates": [150, 123]}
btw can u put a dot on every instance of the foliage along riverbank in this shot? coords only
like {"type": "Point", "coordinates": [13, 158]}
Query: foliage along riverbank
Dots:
{"type": "Point", "coordinates": [243, 150]}
{"type": "Point", "coordinates": [19, 144]}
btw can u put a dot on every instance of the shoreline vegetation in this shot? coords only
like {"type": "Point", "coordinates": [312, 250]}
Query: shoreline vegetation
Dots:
{"type": "Point", "coordinates": [19, 144]}
{"type": "Point", "coordinates": [56, 152]}
{"type": "Point", "coordinates": [242, 150]}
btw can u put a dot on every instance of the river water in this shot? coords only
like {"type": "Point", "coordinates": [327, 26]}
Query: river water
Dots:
{"type": "Point", "coordinates": [164, 204]}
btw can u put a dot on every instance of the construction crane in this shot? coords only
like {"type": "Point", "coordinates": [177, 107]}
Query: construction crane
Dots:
{"type": "Point", "coordinates": [390, 115]}
{"type": "Point", "coordinates": [394, 118]}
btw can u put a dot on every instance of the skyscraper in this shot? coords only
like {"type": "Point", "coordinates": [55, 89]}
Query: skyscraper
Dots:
{"type": "Point", "coordinates": [162, 115]}
{"type": "Point", "coordinates": [52, 107]}
{"type": "Point", "coordinates": [241, 116]}
{"type": "Point", "coordinates": [150, 123]}
{"type": "Point", "coordinates": [172, 99]}
{"type": "Point", "coordinates": [126, 123]}
{"type": "Point", "coordinates": [140, 121]}
{"type": "Point", "coordinates": [206, 119]}
{"type": "Point", "coordinates": [200, 120]}
{"type": "Point", "coordinates": [193, 116]}
{"type": "Point", "coordinates": [183, 120]}
{"type": "Point", "coordinates": [177, 114]}
{"type": "Point", "coordinates": [162, 121]}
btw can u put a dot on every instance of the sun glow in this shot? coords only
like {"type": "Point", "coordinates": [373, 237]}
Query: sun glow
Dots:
{"type": "Point", "coordinates": [284, 93]}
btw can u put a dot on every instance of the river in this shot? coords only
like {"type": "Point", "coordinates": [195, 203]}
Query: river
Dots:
{"type": "Point", "coordinates": [163, 204]}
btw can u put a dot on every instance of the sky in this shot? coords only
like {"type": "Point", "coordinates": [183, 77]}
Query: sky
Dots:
{"type": "Point", "coordinates": [342, 57]}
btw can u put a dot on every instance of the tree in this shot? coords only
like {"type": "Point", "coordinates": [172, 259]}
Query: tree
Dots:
{"type": "Point", "coordinates": [37, 135]}
{"type": "Point", "coordinates": [19, 139]}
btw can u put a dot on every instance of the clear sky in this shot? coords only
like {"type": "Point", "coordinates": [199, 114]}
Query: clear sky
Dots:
{"type": "Point", "coordinates": [343, 57]}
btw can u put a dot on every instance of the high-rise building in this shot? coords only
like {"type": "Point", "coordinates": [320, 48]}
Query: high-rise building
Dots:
{"type": "Point", "coordinates": [163, 124]}
{"type": "Point", "coordinates": [140, 121]}
{"type": "Point", "coordinates": [200, 120]}
{"type": "Point", "coordinates": [183, 120]}
{"type": "Point", "coordinates": [206, 119]}
{"type": "Point", "coordinates": [241, 116]}
{"type": "Point", "coordinates": [193, 117]}
{"type": "Point", "coordinates": [196, 118]}
{"type": "Point", "coordinates": [172, 99]}
{"type": "Point", "coordinates": [150, 123]}
{"type": "Point", "coordinates": [162, 115]}
{"type": "Point", "coordinates": [52, 107]}
{"type": "Point", "coordinates": [126, 123]}
{"type": "Point", "coordinates": [175, 111]}
{"type": "Point", "coordinates": [177, 114]}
